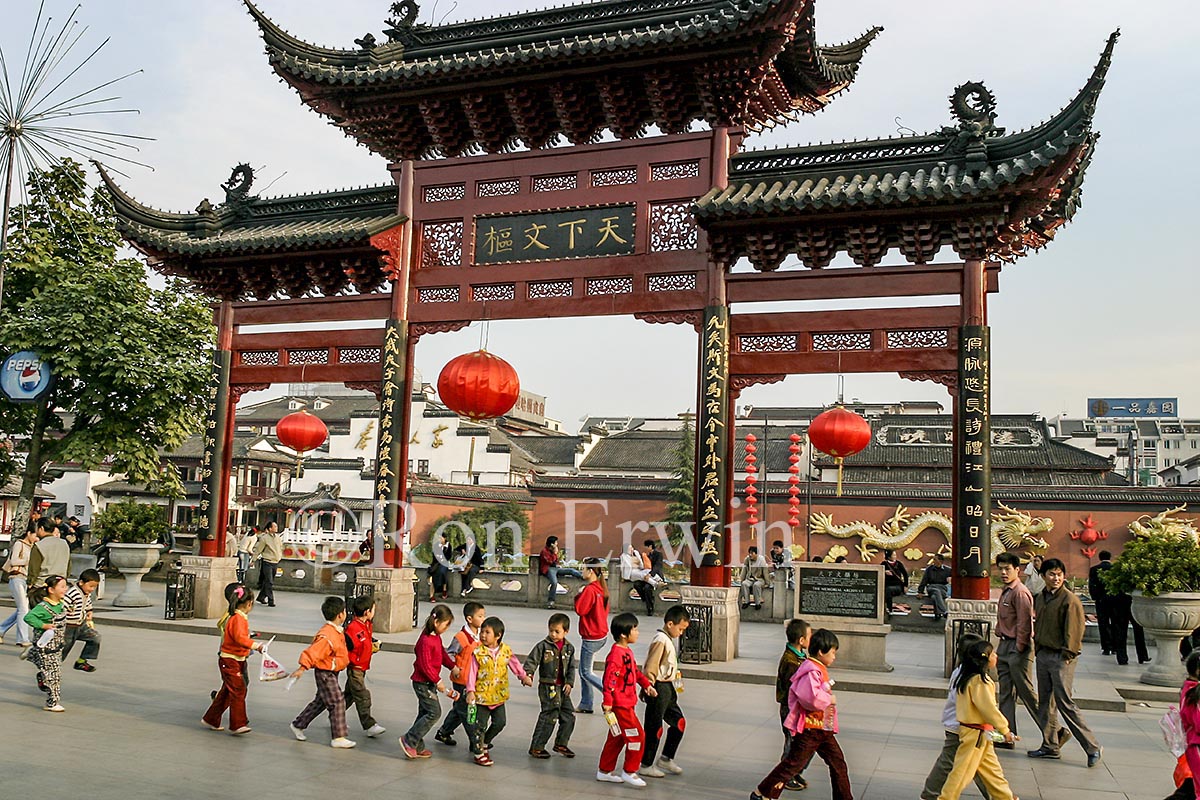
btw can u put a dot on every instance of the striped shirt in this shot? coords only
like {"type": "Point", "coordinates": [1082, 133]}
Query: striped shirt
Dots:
{"type": "Point", "coordinates": [78, 605]}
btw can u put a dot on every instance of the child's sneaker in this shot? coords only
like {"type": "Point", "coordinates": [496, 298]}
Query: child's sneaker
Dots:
{"type": "Point", "coordinates": [242, 731]}
{"type": "Point", "coordinates": [212, 727]}
{"type": "Point", "coordinates": [484, 760]}
{"type": "Point", "coordinates": [563, 750]}
{"type": "Point", "coordinates": [796, 784]}
{"type": "Point", "coordinates": [41, 682]}
{"type": "Point", "coordinates": [424, 754]}
{"type": "Point", "coordinates": [298, 733]}
{"type": "Point", "coordinates": [342, 743]}
{"type": "Point", "coordinates": [607, 777]}
{"type": "Point", "coordinates": [651, 772]}
{"type": "Point", "coordinates": [409, 751]}
{"type": "Point", "coordinates": [632, 779]}
{"type": "Point", "coordinates": [375, 730]}
{"type": "Point", "coordinates": [84, 666]}
{"type": "Point", "coordinates": [24, 654]}
{"type": "Point", "coordinates": [445, 739]}
{"type": "Point", "coordinates": [669, 765]}
{"type": "Point", "coordinates": [55, 707]}
{"type": "Point", "coordinates": [542, 754]}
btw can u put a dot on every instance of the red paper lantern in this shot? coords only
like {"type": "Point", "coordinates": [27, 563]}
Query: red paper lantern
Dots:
{"type": "Point", "coordinates": [479, 386]}
{"type": "Point", "coordinates": [301, 431]}
{"type": "Point", "coordinates": [839, 433]}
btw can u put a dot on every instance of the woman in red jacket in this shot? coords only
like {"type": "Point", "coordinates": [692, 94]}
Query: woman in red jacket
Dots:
{"type": "Point", "coordinates": [591, 604]}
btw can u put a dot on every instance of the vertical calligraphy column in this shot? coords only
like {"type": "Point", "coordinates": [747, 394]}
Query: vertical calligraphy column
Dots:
{"type": "Point", "coordinates": [972, 444]}
{"type": "Point", "coordinates": [712, 454]}
{"type": "Point", "coordinates": [214, 469]}
{"type": "Point", "coordinates": [391, 459]}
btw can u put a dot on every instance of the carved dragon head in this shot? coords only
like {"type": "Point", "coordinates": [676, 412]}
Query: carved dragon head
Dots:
{"type": "Point", "coordinates": [1018, 530]}
{"type": "Point", "coordinates": [1166, 524]}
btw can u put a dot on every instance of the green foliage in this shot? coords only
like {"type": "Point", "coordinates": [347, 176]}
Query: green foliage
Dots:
{"type": "Point", "coordinates": [681, 499]}
{"type": "Point", "coordinates": [131, 361]}
{"type": "Point", "coordinates": [131, 523]}
{"type": "Point", "coordinates": [1156, 565]}
{"type": "Point", "coordinates": [480, 521]}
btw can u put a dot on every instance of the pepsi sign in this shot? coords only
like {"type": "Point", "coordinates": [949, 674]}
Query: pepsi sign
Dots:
{"type": "Point", "coordinates": [25, 377]}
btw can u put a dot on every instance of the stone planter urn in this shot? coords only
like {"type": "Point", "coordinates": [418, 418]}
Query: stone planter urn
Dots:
{"type": "Point", "coordinates": [133, 561]}
{"type": "Point", "coordinates": [1168, 618]}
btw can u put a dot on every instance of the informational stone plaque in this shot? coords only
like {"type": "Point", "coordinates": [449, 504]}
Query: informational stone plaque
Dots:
{"type": "Point", "coordinates": [835, 591]}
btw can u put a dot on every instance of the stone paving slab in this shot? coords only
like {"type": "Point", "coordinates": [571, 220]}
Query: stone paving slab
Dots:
{"type": "Point", "coordinates": [132, 730]}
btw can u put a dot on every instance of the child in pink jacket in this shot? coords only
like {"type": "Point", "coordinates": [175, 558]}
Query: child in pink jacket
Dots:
{"type": "Point", "coordinates": [1189, 713]}
{"type": "Point", "coordinates": [812, 718]}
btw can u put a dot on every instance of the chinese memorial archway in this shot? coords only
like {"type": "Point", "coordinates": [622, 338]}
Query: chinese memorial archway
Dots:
{"type": "Point", "coordinates": [649, 227]}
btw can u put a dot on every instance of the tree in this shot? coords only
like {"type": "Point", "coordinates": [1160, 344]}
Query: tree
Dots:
{"type": "Point", "coordinates": [491, 525]}
{"type": "Point", "coordinates": [131, 362]}
{"type": "Point", "coordinates": [681, 499]}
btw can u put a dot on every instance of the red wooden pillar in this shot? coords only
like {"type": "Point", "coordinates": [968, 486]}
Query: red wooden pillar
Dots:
{"type": "Point", "coordinates": [972, 441]}
{"type": "Point", "coordinates": [218, 436]}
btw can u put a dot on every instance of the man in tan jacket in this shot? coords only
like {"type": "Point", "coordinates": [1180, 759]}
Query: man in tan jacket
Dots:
{"type": "Point", "coordinates": [269, 552]}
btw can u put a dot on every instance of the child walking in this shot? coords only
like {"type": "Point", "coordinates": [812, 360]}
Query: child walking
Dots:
{"type": "Point", "coordinates": [487, 688]}
{"type": "Point", "coordinates": [621, 679]}
{"type": "Point", "coordinates": [591, 604]}
{"type": "Point", "coordinates": [936, 780]}
{"type": "Point", "coordinates": [326, 657]}
{"type": "Point", "coordinates": [431, 656]}
{"type": "Point", "coordinates": [460, 648]}
{"type": "Point", "coordinates": [361, 644]}
{"type": "Point", "coordinates": [812, 719]}
{"type": "Point", "coordinates": [80, 625]}
{"type": "Point", "coordinates": [662, 667]}
{"type": "Point", "coordinates": [978, 715]}
{"type": "Point", "coordinates": [553, 660]}
{"type": "Point", "coordinates": [236, 646]}
{"type": "Point", "coordinates": [1189, 713]}
{"type": "Point", "coordinates": [797, 632]}
{"type": "Point", "coordinates": [47, 621]}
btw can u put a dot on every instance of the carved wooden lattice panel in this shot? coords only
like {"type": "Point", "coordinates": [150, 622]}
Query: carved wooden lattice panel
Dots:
{"type": "Point", "coordinates": [672, 227]}
{"type": "Point", "coordinates": [675, 170]}
{"type": "Point", "coordinates": [773, 343]}
{"type": "Point", "coordinates": [499, 188]}
{"type": "Point", "coordinates": [438, 294]}
{"type": "Point", "coordinates": [442, 194]}
{"type": "Point", "coordinates": [850, 340]}
{"type": "Point", "coordinates": [678, 282]}
{"type": "Point", "coordinates": [918, 339]}
{"type": "Point", "coordinates": [621, 285]}
{"type": "Point", "coordinates": [311, 355]}
{"type": "Point", "coordinates": [541, 290]}
{"type": "Point", "coordinates": [621, 176]}
{"type": "Point", "coordinates": [259, 358]}
{"type": "Point", "coordinates": [360, 355]}
{"type": "Point", "coordinates": [441, 244]}
{"type": "Point", "coordinates": [555, 183]}
{"type": "Point", "coordinates": [494, 291]}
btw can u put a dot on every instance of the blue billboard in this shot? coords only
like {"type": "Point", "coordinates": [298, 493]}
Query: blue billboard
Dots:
{"type": "Point", "coordinates": [1133, 406]}
{"type": "Point", "coordinates": [25, 377]}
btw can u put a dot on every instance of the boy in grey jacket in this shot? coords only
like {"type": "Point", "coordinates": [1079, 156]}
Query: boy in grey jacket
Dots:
{"type": "Point", "coordinates": [552, 662]}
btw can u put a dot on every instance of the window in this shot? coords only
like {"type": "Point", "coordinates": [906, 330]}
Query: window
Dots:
{"type": "Point", "coordinates": [423, 466]}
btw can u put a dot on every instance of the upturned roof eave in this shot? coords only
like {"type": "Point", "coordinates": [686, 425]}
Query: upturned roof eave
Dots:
{"type": "Point", "coordinates": [161, 243]}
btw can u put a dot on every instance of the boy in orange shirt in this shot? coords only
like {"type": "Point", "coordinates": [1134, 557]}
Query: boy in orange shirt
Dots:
{"type": "Point", "coordinates": [326, 656]}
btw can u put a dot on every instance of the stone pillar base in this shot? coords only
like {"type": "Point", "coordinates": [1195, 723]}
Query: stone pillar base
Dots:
{"type": "Point", "coordinates": [983, 611]}
{"type": "Point", "coordinates": [726, 618]}
{"type": "Point", "coordinates": [393, 596]}
{"type": "Point", "coordinates": [212, 576]}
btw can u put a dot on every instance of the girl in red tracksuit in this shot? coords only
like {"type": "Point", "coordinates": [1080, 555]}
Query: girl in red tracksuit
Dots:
{"type": "Point", "coordinates": [621, 679]}
{"type": "Point", "coordinates": [236, 646]}
{"type": "Point", "coordinates": [1189, 713]}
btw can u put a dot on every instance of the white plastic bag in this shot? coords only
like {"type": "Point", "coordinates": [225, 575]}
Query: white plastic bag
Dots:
{"type": "Point", "coordinates": [270, 669]}
{"type": "Point", "coordinates": [1172, 728]}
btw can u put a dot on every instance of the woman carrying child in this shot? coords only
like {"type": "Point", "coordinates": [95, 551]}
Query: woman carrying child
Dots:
{"type": "Point", "coordinates": [487, 688]}
{"type": "Point", "coordinates": [978, 716]}
{"type": "Point", "coordinates": [236, 646]}
{"type": "Point", "coordinates": [48, 621]}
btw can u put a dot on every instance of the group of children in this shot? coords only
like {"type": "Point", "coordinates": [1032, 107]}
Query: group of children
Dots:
{"type": "Point", "coordinates": [59, 617]}
{"type": "Point", "coordinates": [479, 662]}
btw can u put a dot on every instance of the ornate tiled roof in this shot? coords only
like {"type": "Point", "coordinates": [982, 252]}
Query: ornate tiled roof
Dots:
{"type": "Point", "coordinates": [601, 483]}
{"type": "Point", "coordinates": [548, 450]}
{"type": "Point", "coordinates": [301, 230]}
{"type": "Point", "coordinates": [620, 64]}
{"type": "Point", "coordinates": [634, 451]}
{"type": "Point", "coordinates": [973, 160]}
{"type": "Point", "coordinates": [458, 491]}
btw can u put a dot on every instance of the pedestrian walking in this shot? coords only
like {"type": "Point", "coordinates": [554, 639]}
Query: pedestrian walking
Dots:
{"type": "Point", "coordinates": [269, 552]}
{"type": "Point", "coordinates": [591, 604]}
{"type": "Point", "coordinates": [326, 657]}
{"type": "Point", "coordinates": [236, 646]}
{"type": "Point", "coordinates": [361, 645]}
{"type": "Point", "coordinates": [621, 680]}
{"type": "Point", "coordinates": [431, 657]}
{"type": "Point", "coordinates": [552, 661]}
{"type": "Point", "coordinates": [1104, 607]}
{"type": "Point", "coordinates": [81, 627]}
{"type": "Point", "coordinates": [1014, 656]}
{"type": "Point", "coordinates": [460, 650]}
{"type": "Point", "coordinates": [935, 781]}
{"type": "Point", "coordinates": [47, 620]}
{"type": "Point", "coordinates": [662, 710]}
{"type": "Point", "coordinates": [16, 567]}
{"type": "Point", "coordinates": [978, 718]}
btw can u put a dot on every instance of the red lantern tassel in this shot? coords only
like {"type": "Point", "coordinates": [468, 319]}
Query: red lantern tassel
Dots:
{"type": "Point", "coordinates": [839, 482]}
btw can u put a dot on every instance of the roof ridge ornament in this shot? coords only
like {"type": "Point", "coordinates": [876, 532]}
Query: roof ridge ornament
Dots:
{"type": "Point", "coordinates": [403, 27]}
{"type": "Point", "coordinates": [974, 106]}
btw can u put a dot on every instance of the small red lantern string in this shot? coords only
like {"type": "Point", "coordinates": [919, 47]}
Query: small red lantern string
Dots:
{"type": "Point", "coordinates": [751, 479]}
{"type": "Point", "coordinates": [793, 483]}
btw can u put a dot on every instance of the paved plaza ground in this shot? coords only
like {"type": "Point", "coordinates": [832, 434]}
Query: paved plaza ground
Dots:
{"type": "Point", "coordinates": [132, 729]}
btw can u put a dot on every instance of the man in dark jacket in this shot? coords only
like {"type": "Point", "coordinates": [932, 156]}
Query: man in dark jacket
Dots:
{"type": "Point", "coordinates": [1104, 608]}
{"type": "Point", "coordinates": [936, 584]}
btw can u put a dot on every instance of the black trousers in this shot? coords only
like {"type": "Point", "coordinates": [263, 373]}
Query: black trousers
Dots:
{"type": "Point", "coordinates": [1122, 618]}
{"type": "Point", "coordinates": [1104, 620]}
{"type": "Point", "coordinates": [662, 711]}
{"type": "Point", "coordinates": [266, 582]}
{"type": "Point", "coordinates": [646, 592]}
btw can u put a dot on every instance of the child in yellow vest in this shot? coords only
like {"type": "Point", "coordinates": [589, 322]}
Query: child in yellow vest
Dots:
{"type": "Point", "coordinates": [487, 688]}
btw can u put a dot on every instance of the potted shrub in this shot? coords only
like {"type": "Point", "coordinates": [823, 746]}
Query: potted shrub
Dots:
{"type": "Point", "coordinates": [1162, 572]}
{"type": "Point", "coordinates": [133, 530]}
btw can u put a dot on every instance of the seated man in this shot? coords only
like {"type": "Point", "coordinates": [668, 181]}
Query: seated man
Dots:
{"type": "Point", "coordinates": [633, 571]}
{"type": "Point", "coordinates": [936, 584]}
{"type": "Point", "coordinates": [754, 578]}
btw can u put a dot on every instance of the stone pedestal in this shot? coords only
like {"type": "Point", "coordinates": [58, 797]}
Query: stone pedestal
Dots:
{"type": "Point", "coordinates": [212, 576]}
{"type": "Point", "coordinates": [982, 612]}
{"type": "Point", "coordinates": [394, 596]}
{"type": "Point", "coordinates": [726, 618]}
{"type": "Point", "coordinates": [1168, 618]}
{"type": "Point", "coordinates": [847, 599]}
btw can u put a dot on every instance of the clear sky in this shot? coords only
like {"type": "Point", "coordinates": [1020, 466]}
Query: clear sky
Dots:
{"type": "Point", "coordinates": [1109, 309]}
